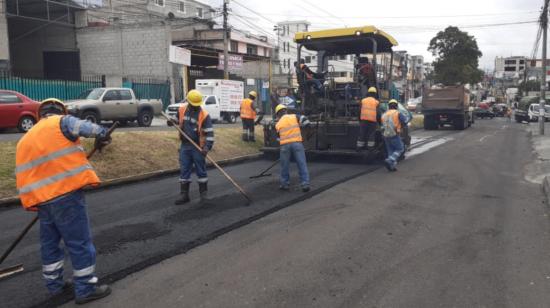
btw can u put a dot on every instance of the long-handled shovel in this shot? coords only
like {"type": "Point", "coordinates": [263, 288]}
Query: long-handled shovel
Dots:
{"type": "Point", "coordinates": [266, 170]}
{"type": "Point", "coordinates": [8, 271]}
{"type": "Point", "coordinates": [208, 157]}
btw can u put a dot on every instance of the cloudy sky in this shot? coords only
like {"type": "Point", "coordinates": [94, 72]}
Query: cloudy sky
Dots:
{"type": "Point", "coordinates": [501, 27]}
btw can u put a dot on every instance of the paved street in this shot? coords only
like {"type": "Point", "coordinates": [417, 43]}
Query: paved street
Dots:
{"type": "Point", "coordinates": [469, 233]}
{"type": "Point", "coordinates": [472, 233]}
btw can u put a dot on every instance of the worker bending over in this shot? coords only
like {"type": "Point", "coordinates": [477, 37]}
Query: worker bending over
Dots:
{"type": "Point", "coordinates": [290, 140]}
{"type": "Point", "coordinates": [369, 119]}
{"type": "Point", "coordinates": [393, 122]}
{"type": "Point", "coordinates": [197, 125]}
{"type": "Point", "coordinates": [51, 170]}
{"type": "Point", "coordinates": [249, 110]}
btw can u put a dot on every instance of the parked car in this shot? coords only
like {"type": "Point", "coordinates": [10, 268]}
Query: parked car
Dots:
{"type": "Point", "coordinates": [533, 113]}
{"type": "Point", "coordinates": [483, 113]}
{"type": "Point", "coordinates": [17, 111]}
{"type": "Point", "coordinates": [114, 104]}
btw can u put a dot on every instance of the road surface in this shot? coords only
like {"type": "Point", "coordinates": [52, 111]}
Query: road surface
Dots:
{"type": "Point", "coordinates": [456, 226]}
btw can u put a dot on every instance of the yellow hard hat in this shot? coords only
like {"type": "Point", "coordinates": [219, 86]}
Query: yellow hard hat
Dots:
{"type": "Point", "coordinates": [253, 93]}
{"type": "Point", "coordinates": [51, 105]}
{"type": "Point", "coordinates": [372, 90]}
{"type": "Point", "coordinates": [392, 101]}
{"type": "Point", "coordinates": [194, 97]}
{"type": "Point", "coordinates": [279, 108]}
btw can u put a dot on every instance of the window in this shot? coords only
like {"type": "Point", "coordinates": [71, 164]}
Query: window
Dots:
{"type": "Point", "coordinates": [251, 49]}
{"type": "Point", "coordinates": [234, 46]}
{"type": "Point", "coordinates": [343, 74]}
{"type": "Point", "coordinates": [199, 12]}
{"type": "Point", "coordinates": [308, 59]}
{"type": "Point", "coordinates": [343, 57]}
{"type": "Point", "coordinates": [181, 6]}
{"type": "Point", "coordinates": [110, 96]}
{"type": "Point", "coordinates": [533, 63]}
{"type": "Point", "coordinates": [521, 61]}
{"type": "Point", "coordinates": [125, 95]}
{"type": "Point", "coordinates": [510, 69]}
{"type": "Point", "coordinates": [521, 68]}
{"type": "Point", "coordinates": [211, 100]}
{"type": "Point", "coordinates": [9, 98]}
{"type": "Point", "coordinates": [159, 2]}
{"type": "Point", "coordinates": [513, 62]}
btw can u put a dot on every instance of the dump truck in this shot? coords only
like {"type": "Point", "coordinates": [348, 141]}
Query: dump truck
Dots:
{"type": "Point", "coordinates": [447, 105]}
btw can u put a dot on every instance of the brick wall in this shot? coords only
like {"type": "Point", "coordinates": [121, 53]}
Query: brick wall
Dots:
{"type": "Point", "coordinates": [138, 50]}
{"type": "Point", "coordinates": [4, 42]}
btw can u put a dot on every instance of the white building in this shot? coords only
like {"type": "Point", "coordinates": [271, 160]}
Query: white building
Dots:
{"type": "Point", "coordinates": [510, 67]}
{"type": "Point", "coordinates": [288, 52]}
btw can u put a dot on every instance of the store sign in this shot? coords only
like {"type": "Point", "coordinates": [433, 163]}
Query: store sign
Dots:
{"type": "Point", "coordinates": [179, 55]}
{"type": "Point", "coordinates": [235, 62]}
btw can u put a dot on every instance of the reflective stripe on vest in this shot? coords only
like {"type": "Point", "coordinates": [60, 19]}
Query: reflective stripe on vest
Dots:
{"type": "Point", "coordinates": [49, 165]}
{"type": "Point", "coordinates": [202, 116]}
{"type": "Point", "coordinates": [391, 120]}
{"type": "Point", "coordinates": [247, 110]}
{"type": "Point", "coordinates": [288, 129]}
{"type": "Point", "coordinates": [368, 109]}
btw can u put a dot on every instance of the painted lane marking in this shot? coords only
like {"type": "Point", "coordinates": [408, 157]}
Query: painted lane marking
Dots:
{"type": "Point", "coordinates": [426, 147]}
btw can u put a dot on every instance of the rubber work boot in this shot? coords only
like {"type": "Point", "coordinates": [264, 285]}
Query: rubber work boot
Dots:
{"type": "Point", "coordinates": [99, 292]}
{"type": "Point", "coordinates": [184, 194]}
{"type": "Point", "coordinates": [203, 191]}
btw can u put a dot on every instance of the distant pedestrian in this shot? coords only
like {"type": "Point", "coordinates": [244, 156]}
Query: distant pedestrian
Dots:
{"type": "Point", "coordinates": [393, 122]}
{"type": "Point", "coordinates": [197, 125]}
{"type": "Point", "coordinates": [249, 111]}
{"type": "Point", "coordinates": [51, 170]}
{"type": "Point", "coordinates": [290, 140]}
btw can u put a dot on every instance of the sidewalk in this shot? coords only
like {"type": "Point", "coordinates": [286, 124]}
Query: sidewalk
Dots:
{"type": "Point", "coordinates": [539, 169]}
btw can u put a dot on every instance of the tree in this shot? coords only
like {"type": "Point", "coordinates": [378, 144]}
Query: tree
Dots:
{"type": "Point", "coordinates": [530, 85]}
{"type": "Point", "coordinates": [457, 57]}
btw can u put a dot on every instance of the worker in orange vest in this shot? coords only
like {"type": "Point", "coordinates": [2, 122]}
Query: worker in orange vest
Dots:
{"type": "Point", "coordinates": [290, 140]}
{"type": "Point", "coordinates": [197, 125]}
{"type": "Point", "coordinates": [51, 170]}
{"type": "Point", "coordinates": [312, 78]}
{"type": "Point", "coordinates": [249, 111]}
{"type": "Point", "coordinates": [392, 124]}
{"type": "Point", "coordinates": [368, 119]}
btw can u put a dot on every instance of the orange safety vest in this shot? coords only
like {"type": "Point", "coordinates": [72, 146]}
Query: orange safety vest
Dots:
{"type": "Point", "coordinates": [308, 75]}
{"type": "Point", "coordinates": [369, 106]}
{"type": "Point", "coordinates": [247, 110]}
{"type": "Point", "coordinates": [288, 129]}
{"type": "Point", "coordinates": [393, 115]}
{"type": "Point", "coordinates": [202, 116]}
{"type": "Point", "coordinates": [49, 165]}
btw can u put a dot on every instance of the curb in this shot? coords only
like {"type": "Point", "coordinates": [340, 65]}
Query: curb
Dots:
{"type": "Point", "coordinates": [546, 188]}
{"type": "Point", "coordinates": [14, 201]}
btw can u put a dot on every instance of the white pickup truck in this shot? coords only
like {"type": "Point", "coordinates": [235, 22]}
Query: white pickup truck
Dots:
{"type": "Point", "coordinates": [114, 104]}
{"type": "Point", "coordinates": [222, 99]}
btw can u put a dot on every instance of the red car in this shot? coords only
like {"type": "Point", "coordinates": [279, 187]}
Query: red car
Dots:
{"type": "Point", "coordinates": [17, 110]}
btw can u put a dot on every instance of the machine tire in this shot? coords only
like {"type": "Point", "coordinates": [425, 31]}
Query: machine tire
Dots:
{"type": "Point", "coordinates": [459, 123]}
{"type": "Point", "coordinates": [25, 124]}
{"type": "Point", "coordinates": [91, 116]}
{"type": "Point", "coordinates": [145, 118]}
{"type": "Point", "coordinates": [231, 118]}
{"type": "Point", "coordinates": [429, 123]}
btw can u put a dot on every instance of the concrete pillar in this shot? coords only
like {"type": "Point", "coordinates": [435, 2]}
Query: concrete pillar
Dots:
{"type": "Point", "coordinates": [4, 38]}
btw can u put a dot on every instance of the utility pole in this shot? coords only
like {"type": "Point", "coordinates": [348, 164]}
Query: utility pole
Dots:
{"type": "Point", "coordinates": [225, 41]}
{"type": "Point", "coordinates": [544, 25]}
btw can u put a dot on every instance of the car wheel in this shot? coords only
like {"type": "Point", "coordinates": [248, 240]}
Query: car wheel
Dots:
{"type": "Point", "coordinates": [91, 116]}
{"type": "Point", "coordinates": [25, 124]}
{"type": "Point", "coordinates": [145, 118]}
{"type": "Point", "coordinates": [231, 118]}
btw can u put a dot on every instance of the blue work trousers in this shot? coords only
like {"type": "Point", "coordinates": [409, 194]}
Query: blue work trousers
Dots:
{"type": "Point", "coordinates": [66, 219]}
{"type": "Point", "coordinates": [189, 157]}
{"type": "Point", "coordinates": [394, 149]}
{"type": "Point", "coordinates": [297, 150]}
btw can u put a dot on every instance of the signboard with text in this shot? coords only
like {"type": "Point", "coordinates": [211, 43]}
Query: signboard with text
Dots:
{"type": "Point", "coordinates": [179, 55]}
{"type": "Point", "coordinates": [234, 63]}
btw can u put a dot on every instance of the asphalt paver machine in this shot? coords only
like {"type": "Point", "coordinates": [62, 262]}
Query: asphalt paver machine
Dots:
{"type": "Point", "coordinates": [334, 109]}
